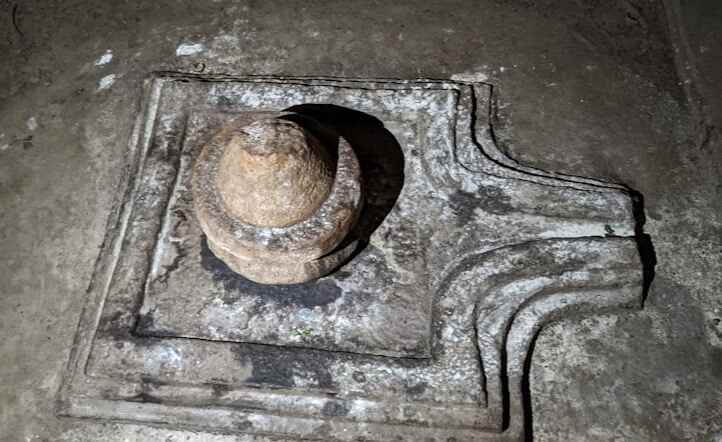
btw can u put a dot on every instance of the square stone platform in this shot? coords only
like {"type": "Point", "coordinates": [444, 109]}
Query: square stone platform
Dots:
{"type": "Point", "coordinates": [423, 335]}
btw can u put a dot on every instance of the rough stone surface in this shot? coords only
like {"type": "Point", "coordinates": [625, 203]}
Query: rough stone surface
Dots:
{"type": "Point", "coordinates": [585, 87]}
{"type": "Point", "coordinates": [274, 173]}
{"type": "Point", "coordinates": [275, 202]}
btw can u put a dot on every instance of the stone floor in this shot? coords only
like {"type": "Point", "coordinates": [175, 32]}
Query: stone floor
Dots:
{"type": "Point", "coordinates": [623, 90]}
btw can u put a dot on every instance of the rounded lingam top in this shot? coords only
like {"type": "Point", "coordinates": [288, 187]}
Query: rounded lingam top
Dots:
{"type": "Point", "coordinates": [274, 173]}
{"type": "Point", "coordinates": [275, 203]}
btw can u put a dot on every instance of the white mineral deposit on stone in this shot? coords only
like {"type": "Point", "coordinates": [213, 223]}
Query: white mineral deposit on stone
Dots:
{"type": "Point", "coordinates": [470, 76]}
{"type": "Point", "coordinates": [162, 357]}
{"type": "Point", "coordinates": [32, 123]}
{"type": "Point", "coordinates": [105, 58]}
{"type": "Point", "coordinates": [189, 49]}
{"type": "Point", "coordinates": [106, 82]}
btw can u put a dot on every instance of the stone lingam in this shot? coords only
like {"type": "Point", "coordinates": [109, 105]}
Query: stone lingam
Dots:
{"type": "Point", "coordinates": [277, 198]}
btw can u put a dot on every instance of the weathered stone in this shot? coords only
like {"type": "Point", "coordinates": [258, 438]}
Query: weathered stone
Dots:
{"type": "Point", "coordinates": [274, 201]}
{"type": "Point", "coordinates": [424, 334]}
{"type": "Point", "coordinates": [273, 173]}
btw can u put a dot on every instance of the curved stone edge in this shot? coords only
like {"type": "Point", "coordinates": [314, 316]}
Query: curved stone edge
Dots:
{"type": "Point", "coordinates": [483, 129]}
{"type": "Point", "coordinates": [270, 271]}
{"type": "Point", "coordinates": [586, 276]}
{"type": "Point", "coordinates": [572, 206]}
{"type": "Point", "coordinates": [532, 319]}
{"type": "Point", "coordinates": [480, 93]}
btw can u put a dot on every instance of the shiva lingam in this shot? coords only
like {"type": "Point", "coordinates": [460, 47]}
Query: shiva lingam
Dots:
{"type": "Point", "coordinates": [275, 202]}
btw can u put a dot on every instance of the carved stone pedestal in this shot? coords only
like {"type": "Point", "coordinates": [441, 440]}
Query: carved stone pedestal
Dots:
{"type": "Point", "coordinates": [424, 334]}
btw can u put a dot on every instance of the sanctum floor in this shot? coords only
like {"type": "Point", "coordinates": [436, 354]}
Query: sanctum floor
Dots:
{"type": "Point", "coordinates": [625, 91]}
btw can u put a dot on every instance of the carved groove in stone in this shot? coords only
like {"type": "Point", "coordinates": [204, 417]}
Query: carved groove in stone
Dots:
{"type": "Point", "coordinates": [517, 289]}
